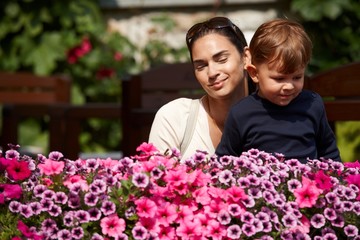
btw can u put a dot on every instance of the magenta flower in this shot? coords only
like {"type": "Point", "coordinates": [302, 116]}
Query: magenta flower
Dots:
{"type": "Point", "coordinates": [146, 207]}
{"type": "Point", "coordinates": [323, 181]}
{"type": "Point", "coordinates": [112, 225]}
{"type": "Point", "coordinates": [188, 230]}
{"type": "Point", "coordinates": [18, 170]}
{"type": "Point", "coordinates": [10, 191]}
{"type": "Point", "coordinates": [167, 214]}
{"type": "Point", "coordinates": [51, 167]}
{"type": "Point", "coordinates": [307, 195]}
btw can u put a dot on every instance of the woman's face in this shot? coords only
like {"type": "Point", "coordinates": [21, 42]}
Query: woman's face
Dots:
{"type": "Point", "coordinates": [218, 66]}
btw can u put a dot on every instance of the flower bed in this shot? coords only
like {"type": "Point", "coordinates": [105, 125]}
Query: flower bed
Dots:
{"type": "Point", "coordinates": [153, 196]}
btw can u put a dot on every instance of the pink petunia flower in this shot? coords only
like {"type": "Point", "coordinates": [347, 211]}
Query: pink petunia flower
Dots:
{"type": "Point", "coordinates": [323, 181]}
{"type": "Point", "coordinates": [112, 225]}
{"type": "Point", "coordinates": [355, 164]}
{"type": "Point", "coordinates": [147, 148]}
{"type": "Point", "coordinates": [18, 170]}
{"type": "Point", "coordinates": [236, 193]}
{"type": "Point", "coordinates": [51, 167]}
{"type": "Point", "coordinates": [166, 214]}
{"type": "Point", "coordinates": [188, 230]}
{"type": "Point", "coordinates": [307, 195]}
{"type": "Point", "coordinates": [10, 191]}
{"type": "Point", "coordinates": [26, 232]}
{"type": "Point", "coordinates": [146, 207]}
{"type": "Point", "coordinates": [69, 182]}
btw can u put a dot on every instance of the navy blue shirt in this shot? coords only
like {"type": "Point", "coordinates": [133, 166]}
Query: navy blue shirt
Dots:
{"type": "Point", "coordinates": [299, 130]}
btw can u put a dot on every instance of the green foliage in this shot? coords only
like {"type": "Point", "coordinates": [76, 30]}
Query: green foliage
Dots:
{"type": "Point", "coordinates": [348, 135]}
{"type": "Point", "coordinates": [334, 28]}
{"type": "Point", "coordinates": [41, 36]}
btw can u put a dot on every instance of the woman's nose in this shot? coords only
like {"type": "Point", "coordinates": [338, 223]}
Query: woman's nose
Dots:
{"type": "Point", "coordinates": [212, 71]}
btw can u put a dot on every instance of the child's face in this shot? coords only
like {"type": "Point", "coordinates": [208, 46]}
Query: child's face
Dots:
{"type": "Point", "coordinates": [277, 87]}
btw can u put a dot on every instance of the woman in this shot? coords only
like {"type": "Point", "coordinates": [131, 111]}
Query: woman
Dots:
{"type": "Point", "coordinates": [217, 51]}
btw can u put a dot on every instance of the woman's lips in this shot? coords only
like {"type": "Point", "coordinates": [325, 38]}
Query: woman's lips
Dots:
{"type": "Point", "coordinates": [217, 84]}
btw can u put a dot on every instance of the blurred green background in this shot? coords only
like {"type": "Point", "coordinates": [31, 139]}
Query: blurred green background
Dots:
{"type": "Point", "coordinates": [44, 37]}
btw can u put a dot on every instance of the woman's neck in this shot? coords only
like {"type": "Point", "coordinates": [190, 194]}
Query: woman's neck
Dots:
{"type": "Point", "coordinates": [218, 109]}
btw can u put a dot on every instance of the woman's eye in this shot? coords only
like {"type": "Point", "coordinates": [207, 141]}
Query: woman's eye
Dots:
{"type": "Point", "coordinates": [200, 67]}
{"type": "Point", "coordinates": [222, 60]}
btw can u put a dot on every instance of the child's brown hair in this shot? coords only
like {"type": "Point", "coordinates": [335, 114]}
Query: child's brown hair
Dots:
{"type": "Point", "coordinates": [281, 43]}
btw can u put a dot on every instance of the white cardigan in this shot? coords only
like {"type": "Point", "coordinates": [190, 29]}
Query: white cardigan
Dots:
{"type": "Point", "coordinates": [169, 126]}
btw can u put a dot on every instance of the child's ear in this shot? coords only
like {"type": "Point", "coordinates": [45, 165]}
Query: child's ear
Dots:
{"type": "Point", "coordinates": [247, 56]}
{"type": "Point", "coordinates": [251, 69]}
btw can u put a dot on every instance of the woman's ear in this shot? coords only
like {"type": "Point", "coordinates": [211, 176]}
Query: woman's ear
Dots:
{"type": "Point", "coordinates": [251, 69]}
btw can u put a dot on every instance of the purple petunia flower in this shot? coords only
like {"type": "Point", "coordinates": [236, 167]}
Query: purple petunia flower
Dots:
{"type": "Point", "coordinates": [318, 220]}
{"type": "Point", "coordinates": [268, 196]}
{"type": "Point", "coordinates": [226, 177]}
{"type": "Point", "coordinates": [330, 236]}
{"type": "Point", "coordinates": [98, 186]}
{"type": "Point", "coordinates": [48, 194]}
{"type": "Point", "coordinates": [96, 236]}
{"type": "Point", "coordinates": [36, 207]}
{"type": "Point", "coordinates": [289, 221]}
{"type": "Point", "coordinates": [234, 209]}
{"type": "Point", "coordinates": [55, 210]}
{"type": "Point", "coordinates": [48, 225]}
{"type": "Point", "coordinates": [55, 155]}
{"type": "Point", "coordinates": [223, 217]}
{"type": "Point", "coordinates": [91, 199]}
{"type": "Point", "coordinates": [247, 217]}
{"type": "Point", "coordinates": [351, 230]}
{"type": "Point", "coordinates": [92, 164]}
{"type": "Point", "coordinates": [139, 233]}
{"type": "Point", "coordinates": [26, 211]}
{"type": "Point", "coordinates": [225, 160]}
{"type": "Point", "coordinates": [248, 229]}
{"type": "Point", "coordinates": [108, 207]}
{"type": "Point", "coordinates": [123, 236]}
{"type": "Point", "coordinates": [68, 219]}
{"type": "Point", "coordinates": [14, 206]}
{"type": "Point", "coordinates": [338, 221]}
{"type": "Point", "coordinates": [39, 190]}
{"type": "Point", "coordinates": [64, 234]}
{"type": "Point", "coordinates": [233, 231]}
{"type": "Point", "coordinates": [74, 201]}
{"type": "Point", "coordinates": [140, 180]}
{"type": "Point", "coordinates": [249, 202]}
{"type": "Point", "coordinates": [82, 216]}
{"type": "Point", "coordinates": [77, 233]}
{"type": "Point", "coordinates": [94, 214]}
{"type": "Point", "coordinates": [330, 213]}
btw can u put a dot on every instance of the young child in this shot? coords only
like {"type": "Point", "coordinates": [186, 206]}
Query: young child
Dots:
{"type": "Point", "coordinates": [280, 117]}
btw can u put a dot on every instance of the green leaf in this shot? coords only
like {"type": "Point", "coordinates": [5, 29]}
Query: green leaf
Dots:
{"type": "Point", "coordinates": [43, 58]}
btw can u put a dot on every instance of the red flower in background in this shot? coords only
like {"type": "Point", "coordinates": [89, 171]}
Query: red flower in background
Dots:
{"type": "Point", "coordinates": [104, 72]}
{"type": "Point", "coordinates": [78, 51]}
{"type": "Point", "coordinates": [118, 56]}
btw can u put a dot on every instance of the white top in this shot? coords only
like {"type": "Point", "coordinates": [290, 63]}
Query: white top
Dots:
{"type": "Point", "coordinates": [169, 126]}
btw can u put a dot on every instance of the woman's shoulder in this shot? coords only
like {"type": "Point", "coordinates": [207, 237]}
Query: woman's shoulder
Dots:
{"type": "Point", "coordinates": [176, 105]}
